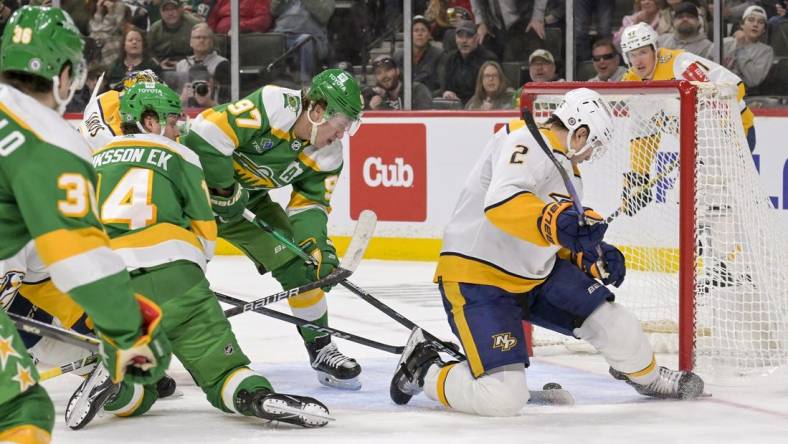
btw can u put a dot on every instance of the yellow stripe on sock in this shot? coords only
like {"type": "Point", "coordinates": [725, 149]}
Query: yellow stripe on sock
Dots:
{"type": "Point", "coordinates": [307, 299]}
{"type": "Point", "coordinates": [441, 388]}
{"type": "Point", "coordinates": [25, 434]}
{"type": "Point", "coordinates": [649, 368]}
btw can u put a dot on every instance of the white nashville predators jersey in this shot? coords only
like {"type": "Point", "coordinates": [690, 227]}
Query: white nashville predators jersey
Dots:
{"type": "Point", "coordinates": [101, 120]}
{"type": "Point", "coordinates": [493, 237]}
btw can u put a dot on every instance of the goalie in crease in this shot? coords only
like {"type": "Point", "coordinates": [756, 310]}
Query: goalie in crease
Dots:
{"type": "Point", "coordinates": [546, 273]}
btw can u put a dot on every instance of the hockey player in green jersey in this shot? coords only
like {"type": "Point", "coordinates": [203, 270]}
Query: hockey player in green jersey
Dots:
{"type": "Point", "coordinates": [154, 204]}
{"type": "Point", "coordinates": [270, 139]}
{"type": "Point", "coordinates": [49, 224]}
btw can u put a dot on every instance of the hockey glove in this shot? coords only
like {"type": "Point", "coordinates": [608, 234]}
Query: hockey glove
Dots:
{"type": "Point", "coordinates": [559, 226]}
{"type": "Point", "coordinates": [614, 263]}
{"type": "Point", "coordinates": [636, 193]}
{"type": "Point", "coordinates": [147, 359]}
{"type": "Point", "coordinates": [228, 204]}
{"type": "Point", "coordinates": [324, 254]}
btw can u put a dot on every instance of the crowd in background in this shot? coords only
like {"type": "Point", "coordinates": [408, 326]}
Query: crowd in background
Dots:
{"type": "Point", "coordinates": [470, 54]}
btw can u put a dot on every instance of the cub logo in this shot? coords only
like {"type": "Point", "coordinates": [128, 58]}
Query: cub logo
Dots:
{"type": "Point", "coordinates": [504, 341]}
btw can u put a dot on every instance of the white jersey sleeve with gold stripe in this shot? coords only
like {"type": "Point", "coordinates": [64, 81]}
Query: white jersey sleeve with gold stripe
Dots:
{"type": "Point", "coordinates": [101, 120]}
{"type": "Point", "coordinates": [493, 237]}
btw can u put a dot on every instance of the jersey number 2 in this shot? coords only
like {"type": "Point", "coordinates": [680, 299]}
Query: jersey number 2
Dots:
{"type": "Point", "coordinates": [130, 202]}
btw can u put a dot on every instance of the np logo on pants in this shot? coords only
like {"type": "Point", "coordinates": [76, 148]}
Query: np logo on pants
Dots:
{"type": "Point", "coordinates": [504, 341]}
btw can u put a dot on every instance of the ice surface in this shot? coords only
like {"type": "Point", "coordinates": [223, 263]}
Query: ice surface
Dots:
{"type": "Point", "coordinates": [607, 411]}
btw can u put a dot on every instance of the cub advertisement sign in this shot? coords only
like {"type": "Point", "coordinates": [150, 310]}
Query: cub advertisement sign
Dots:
{"type": "Point", "coordinates": [388, 171]}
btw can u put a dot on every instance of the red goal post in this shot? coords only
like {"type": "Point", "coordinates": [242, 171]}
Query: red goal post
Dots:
{"type": "Point", "coordinates": [648, 120]}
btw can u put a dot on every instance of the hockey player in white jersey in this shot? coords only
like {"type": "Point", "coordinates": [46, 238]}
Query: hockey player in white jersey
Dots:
{"type": "Point", "coordinates": [514, 250]}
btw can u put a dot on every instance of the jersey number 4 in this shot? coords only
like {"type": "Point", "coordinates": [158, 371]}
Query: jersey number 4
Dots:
{"type": "Point", "coordinates": [130, 202]}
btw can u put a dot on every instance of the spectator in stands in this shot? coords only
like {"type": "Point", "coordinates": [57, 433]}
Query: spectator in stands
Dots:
{"type": "Point", "coordinates": [82, 97]}
{"type": "Point", "coordinates": [201, 91]}
{"type": "Point", "coordinates": [500, 21]}
{"type": "Point", "coordinates": [444, 15]}
{"type": "Point", "coordinates": [541, 66]}
{"type": "Point", "coordinates": [781, 7]}
{"type": "Point", "coordinates": [607, 62]}
{"type": "Point", "coordinates": [305, 23]}
{"type": "Point", "coordinates": [686, 33]}
{"type": "Point", "coordinates": [492, 89]}
{"type": "Point", "coordinates": [647, 11]}
{"type": "Point", "coordinates": [702, 6]}
{"type": "Point", "coordinates": [254, 16]}
{"type": "Point", "coordinates": [425, 56]}
{"type": "Point", "coordinates": [216, 67]}
{"type": "Point", "coordinates": [133, 57]}
{"type": "Point", "coordinates": [7, 7]}
{"type": "Point", "coordinates": [204, 8]}
{"type": "Point", "coordinates": [169, 38]}
{"type": "Point", "coordinates": [106, 28]}
{"type": "Point", "coordinates": [583, 10]}
{"type": "Point", "coordinates": [388, 92]}
{"type": "Point", "coordinates": [744, 53]}
{"type": "Point", "coordinates": [458, 72]}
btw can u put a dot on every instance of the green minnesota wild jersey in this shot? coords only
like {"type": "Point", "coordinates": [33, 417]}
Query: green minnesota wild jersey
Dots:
{"type": "Point", "coordinates": [251, 141]}
{"type": "Point", "coordinates": [48, 225]}
{"type": "Point", "coordinates": [154, 202]}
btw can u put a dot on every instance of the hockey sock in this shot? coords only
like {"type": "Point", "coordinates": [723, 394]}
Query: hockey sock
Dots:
{"type": "Point", "coordinates": [502, 392]}
{"type": "Point", "coordinates": [132, 400]}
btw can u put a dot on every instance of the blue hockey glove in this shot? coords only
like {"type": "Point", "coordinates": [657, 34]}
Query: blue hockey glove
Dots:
{"type": "Point", "coordinates": [614, 264]}
{"type": "Point", "coordinates": [559, 226]}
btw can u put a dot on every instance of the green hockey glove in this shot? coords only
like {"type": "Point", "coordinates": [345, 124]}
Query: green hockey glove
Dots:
{"type": "Point", "coordinates": [325, 254]}
{"type": "Point", "coordinates": [228, 204]}
{"type": "Point", "coordinates": [147, 359]}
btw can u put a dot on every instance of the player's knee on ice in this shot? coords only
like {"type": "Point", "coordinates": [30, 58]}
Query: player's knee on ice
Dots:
{"type": "Point", "coordinates": [616, 333]}
{"type": "Point", "coordinates": [501, 392]}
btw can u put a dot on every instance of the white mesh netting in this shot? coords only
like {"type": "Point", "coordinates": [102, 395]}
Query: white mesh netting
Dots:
{"type": "Point", "coordinates": [741, 248]}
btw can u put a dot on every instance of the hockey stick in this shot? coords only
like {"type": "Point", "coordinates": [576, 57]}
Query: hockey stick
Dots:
{"type": "Point", "coordinates": [314, 327]}
{"type": "Point", "coordinates": [350, 261]}
{"type": "Point", "coordinates": [67, 368]}
{"type": "Point", "coordinates": [440, 345]}
{"type": "Point", "coordinates": [39, 328]}
{"type": "Point", "coordinates": [570, 188]}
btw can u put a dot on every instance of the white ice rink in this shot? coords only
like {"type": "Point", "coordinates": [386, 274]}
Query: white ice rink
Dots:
{"type": "Point", "coordinates": [607, 411]}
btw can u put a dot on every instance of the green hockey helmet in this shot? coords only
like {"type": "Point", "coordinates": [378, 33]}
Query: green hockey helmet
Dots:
{"type": "Point", "coordinates": [149, 96]}
{"type": "Point", "coordinates": [39, 41]}
{"type": "Point", "coordinates": [342, 95]}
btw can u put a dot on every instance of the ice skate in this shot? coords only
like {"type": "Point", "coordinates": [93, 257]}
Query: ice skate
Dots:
{"type": "Point", "coordinates": [669, 384]}
{"type": "Point", "coordinates": [408, 379]}
{"type": "Point", "coordinates": [292, 409]}
{"type": "Point", "coordinates": [333, 368]}
{"type": "Point", "coordinates": [89, 398]}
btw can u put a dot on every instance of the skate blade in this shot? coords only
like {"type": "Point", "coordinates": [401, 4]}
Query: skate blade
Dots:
{"type": "Point", "coordinates": [74, 420]}
{"type": "Point", "coordinates": [343, 384]}
{"type": "Point", "coordinates": [317, 418]}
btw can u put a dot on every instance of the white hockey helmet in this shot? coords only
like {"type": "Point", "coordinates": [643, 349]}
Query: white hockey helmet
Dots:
{"type": "Point", "coordinates": [637, 36]}
{"type": "Point", "coordinates": [584, 107]}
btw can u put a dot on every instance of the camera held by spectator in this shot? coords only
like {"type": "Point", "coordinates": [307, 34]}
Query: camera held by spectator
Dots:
{"type": "Point", "coordinates": [200, 91]}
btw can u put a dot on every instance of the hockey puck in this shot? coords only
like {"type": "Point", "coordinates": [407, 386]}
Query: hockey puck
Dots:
{"type": "Point", "coordinates": [552, 386]}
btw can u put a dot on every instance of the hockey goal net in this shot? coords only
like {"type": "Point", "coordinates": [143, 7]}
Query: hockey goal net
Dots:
{"type": "Point", "coordinates": [706, 254]}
